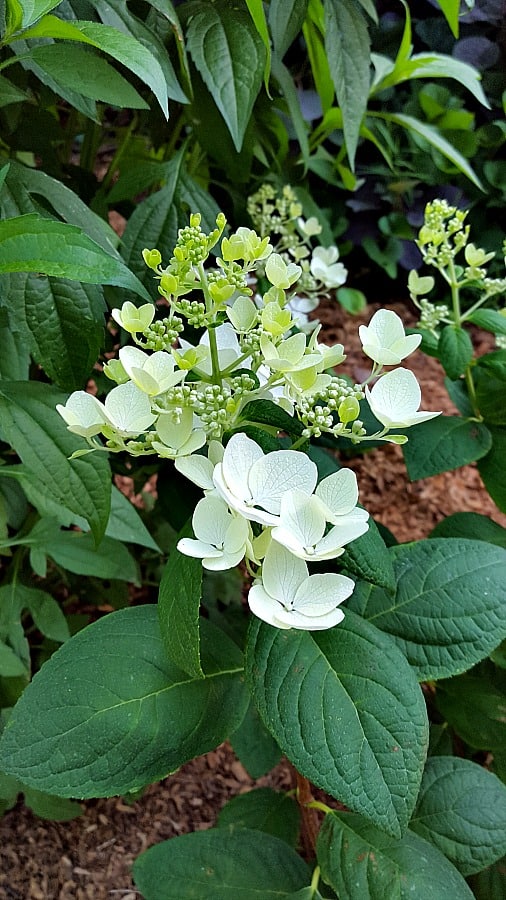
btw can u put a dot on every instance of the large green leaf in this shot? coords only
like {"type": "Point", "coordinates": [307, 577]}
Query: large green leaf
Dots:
{"type": "Point", "coordinates": [10, 93]}
{"type": "Point", "coordinates": [62, 323]}
{"type": "Point", "coordinates": [178, 610]}
{"type": "Point", "coordinates": [444, 443]}
{"type": "Point", "coordinates": [22, 192]}
{"type": "Point", "coordinates": [368, 558]}
{"type": "Point", "coordinates": [345, 708]}
{"type": "Point", "coordinates": [254, 745]}
{"type": "Point", "coordinates": [109, 713]}
{"type": "Point", "coordinates": [455, 350]}
{"type": "Point", "coordinates": [264, 810]}
{"type": "Point", "coordinates": [461, 809]}
{"type": "Point", "coordinates": [221, 865]}
{"type": "Point", "coordinates": [362, 863]}
{"type": "Point", "coordinates": [33, 244]}
{"type": "Point", "coordinates": [489, 376]}
{"type": "Point", "coordinates": [230, 56]}
{"type": "Point", "coordinates": [87, 73]}
{"type": "Point", "coordinates": [286, 18]}
{"type": "Point", "coordinates": [41, 439]}
{"type": "Point", "coordinates": [492, 469]}
{"type": "Point", "coordinates": [347, 44]}
{"type": "Point", "coordinates": [473, 526]}
{"type": "Point", "coordinates": [76, 552]}
{"type": "Point", "coordinates": [449, 609]}
{"type": "Point", "coordinates": [120, 44]}
{"type": "Point", "coordinates": [435, 139]}
{"type": "Point", "coordinates": [475, 708]}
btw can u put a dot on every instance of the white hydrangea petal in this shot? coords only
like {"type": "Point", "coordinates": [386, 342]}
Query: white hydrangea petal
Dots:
{"type": "Point", "coordinates": [211, 520]}
{"type": "Point", "coordinates": [236, 536]}
{"type": "Point", "coordinates": [240, 455]}
{"type": "Point", "coordinates": [238, 504]}
{"type": "Point", "coordinates": [282, 574]}
{"type": "Point", "coordinates": [198, 469]}
{"type": "Point", "coordinates": [301, 515]}
{"type": "Point", "coordinates": [339, 492]}
{"type": "Point", "coordinates": [294, 619]}
{"type": "Point", "coordinates": [175, 434]}
{"type": "Point", "coordinates": [280, 471]}
{"type": "Point", "coordinates": [294, 347]}
{"type": "Point", "coordinates": [83, 413]}
{"type": "Point", "coordinates": [320, 594]}
{"type": "Point", "coordinates": [395, 399]}
{"type": "Point", "coordinates": [128, 409]}
{"type": "Point", "coordinates": [223, 561]}
{"type": "Point", "coordinates": [265, 607]}
{"type": "Point", "coordinates": [351, 528]}
{"type": "Point", "coordinates": [197, 549]}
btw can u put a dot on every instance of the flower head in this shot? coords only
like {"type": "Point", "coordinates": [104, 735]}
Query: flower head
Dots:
{"type": "Point", "coordinates": [384, 339]}
{"type": "Point", "coordinates": [288, 597]}
{"type": "Point", "coordinates": [134, 318]}
{"type": "Point", "coordinates": [83, 413]}
{"type": "Point", "coordinates": [395, 399]}
{"type": "Point", "coordinates": [152, 373]}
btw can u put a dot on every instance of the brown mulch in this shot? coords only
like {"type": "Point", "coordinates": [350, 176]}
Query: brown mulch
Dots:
{"type": "Point", "coordinates": [90, 857]}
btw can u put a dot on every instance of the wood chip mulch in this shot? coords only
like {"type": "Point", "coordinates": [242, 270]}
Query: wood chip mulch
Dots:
{"type": "Point", "coordinates": [90, 857]}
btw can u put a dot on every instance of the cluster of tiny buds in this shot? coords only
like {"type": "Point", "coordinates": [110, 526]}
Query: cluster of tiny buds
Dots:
{"type": "Point", "coordinates": [317, 411]}
{"type": "Point", "coordinates": [215, 405]}
{"type": "Point", "coordinates": [181, 395]}
{"type": "Point", "coordinates": [194, 311]}
{"type": "Point", "coordinates": [242, 384]}
{"type": "Point", "coordinates": [432, 314]}
{"type": "Point", "coordinates": [162, 335]}
{"type": "Point", "coordinates": [192, 244]}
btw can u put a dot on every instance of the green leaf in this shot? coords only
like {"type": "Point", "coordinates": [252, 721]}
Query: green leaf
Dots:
{"type": "Point", "coordinates": [62, 323]}
{"type": "Point", "coordinates": [352, 300]}
{"type": "Point", "coordinates": [10, 93]}
{"type": "Point", "coordinates": [25, 186]}
{"type": "Point", "coordinates": [455, 350]}
{"type": "Point", "coordinates": [489, 320]}
{"type": "Point", "coordinates": [368, 558]}
{"type": "Point", "coordinates": [58, 85]}
{"type": "Point", "coordinates": [449, 609]}
{"type": "Point", "coordinates": [178, 610]}
{"type": "Point", "coordinates": [263, 810]}
{"type": "Point", "coordinates": [88, 74]}
{"type": "Point", "coordinates": [77, 552]}
{"type": "Point", "coordinates": [475, 708]}
{"type": "Point", "coordinates": [40, 438]}
{"type": "Point", "coordinates": [254, 745]}
{"type": "Point", "coordinates": [123, 47]}
{"type": "Point", "coordinates": [362, 863]}
{"type": "Point", "coordinates": [489, 376]}
{"type": "Point", "coordinates": [125, 523]}
{"type": "Point", "coordinates": [32, 244]}
{"type": "Point", "coordinates": [109, 713]}
{"type": "Point", "coordinates": [286, 18]}
{"type": "Point", "coordinates": [220, 865]}
{"type": "Point", "coordinates": [285, 82]}
{"type": "Point", "coordinates": [444, 443]}
{"type": "Point", "coordinates": [451, 11]}
{"type": "Point", "coordinates": [57, 809]}
{"type": "Point", "coordinates": [435, 139]}
{"type": "Point", "coordinates": [10, 664]}
{"type": "Point", "coordinates": [491, 883]}
{"type": "Point", "coordinates": [35, 9]}
{"type": "Point", "coordinates": [265, 412]}
{"type": "Point", "coordinates": [257, 13]}
{"type": "Point", "coordinates": [461, 809]}
{"type": "Point", "coordinates": [46, 613]}
{"type": "Point", "coordinates": [470, 525]}
{"type": "Point", "coordinates": [230, 56]}
{"type": "Point", "coordinates": [492, 468]}
{"type": "Point", "coordinates": [345, 708]}
{"type": "Point", "coordinates": [348, 51]}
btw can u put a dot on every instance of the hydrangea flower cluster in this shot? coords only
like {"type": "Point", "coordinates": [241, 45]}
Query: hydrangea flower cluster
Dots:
{"type": "Point", "coordinates": [173, 397]}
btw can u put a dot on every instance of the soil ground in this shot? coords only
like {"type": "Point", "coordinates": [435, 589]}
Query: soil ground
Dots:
{"type": "Point", "coordinates": [90, 857]}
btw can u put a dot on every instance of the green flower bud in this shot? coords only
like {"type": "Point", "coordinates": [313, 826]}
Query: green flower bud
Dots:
{"type": "Point", "coordinates": [168, 284]}
{"type": "Point", "coordinates": [348, 410]}
{"type": "Point", "coordinates": [152, 258]}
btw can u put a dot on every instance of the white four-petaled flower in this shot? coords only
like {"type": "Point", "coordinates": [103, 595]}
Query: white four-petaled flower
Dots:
{"type": "Point", "coordinates": [384, 339]}
{"type": "Point", "coordinates": [325, 267]}
{"type": "Point", "coordinates": [253, 482]}
{"type": "Point", "coordinates": [288, 597]}
{"type": "Point", "coordinates": [221, 538]}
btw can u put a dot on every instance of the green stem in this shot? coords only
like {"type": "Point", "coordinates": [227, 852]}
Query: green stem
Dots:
{"type": "Point", "coordinates": [213, 344]}
{"type": "Point", "coordinates": [315, 881]}
{"type": "Point", "coordinates": [91, 143]}
{"type": "Point", "coordinates": [299, 442]}
{"type": "Point", "coordinates": [113, 165]}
